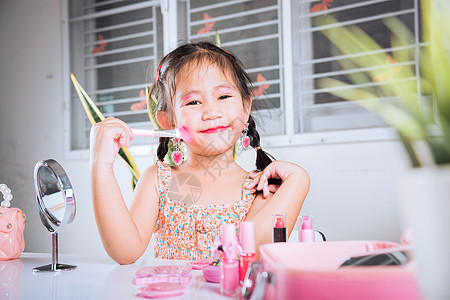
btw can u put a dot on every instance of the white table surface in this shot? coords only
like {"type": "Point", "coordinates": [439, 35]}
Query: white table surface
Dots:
{"type": "Point", "coordinates": [94, 278]}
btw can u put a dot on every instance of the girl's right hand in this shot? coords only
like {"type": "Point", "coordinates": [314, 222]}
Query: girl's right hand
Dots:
{"type": "Point", "coordinates": [106, 139]}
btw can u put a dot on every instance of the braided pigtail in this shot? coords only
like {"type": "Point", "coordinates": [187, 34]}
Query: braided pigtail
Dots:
{"type": "Point", "coordinates": [163, 147]}
{"type": "Point", "coordinates": [263, 159]}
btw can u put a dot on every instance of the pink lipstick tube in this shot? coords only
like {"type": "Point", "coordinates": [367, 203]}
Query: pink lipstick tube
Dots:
{"type": "Point", "coordinates": [247, 237]}
{"type": "Point", "coordinates": [279, 223]}
{"type": "Point", "coordinates": [305, 229]}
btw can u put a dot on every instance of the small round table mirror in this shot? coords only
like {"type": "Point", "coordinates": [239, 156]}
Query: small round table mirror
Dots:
{"type": "Point", "coordinates": [56, 203]}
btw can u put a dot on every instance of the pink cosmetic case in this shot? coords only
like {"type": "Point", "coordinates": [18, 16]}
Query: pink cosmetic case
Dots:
{"type": "Point", "coordinates": [311, 271]}
{"type": "Point", "coordinates": [155, 274]}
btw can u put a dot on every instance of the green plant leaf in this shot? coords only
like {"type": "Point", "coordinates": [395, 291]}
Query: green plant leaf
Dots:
{"type": "Point", "coordinates": [94, 115]}
{"type": "Point", "coordinates": [218, 42]}
{"type": "Point", "coordinates": [152, 104]}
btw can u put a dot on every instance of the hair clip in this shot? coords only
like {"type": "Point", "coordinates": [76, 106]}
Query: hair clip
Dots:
{"type": "Point", "coordinates": [159, 71]}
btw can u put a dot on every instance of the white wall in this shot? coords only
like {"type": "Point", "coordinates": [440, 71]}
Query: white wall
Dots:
{"type": "Point", "coordinates": [353, 190]}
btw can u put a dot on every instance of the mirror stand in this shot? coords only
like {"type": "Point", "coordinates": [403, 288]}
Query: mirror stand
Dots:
{"type": "Point", "coordinates": [54, 266]}
{"type": "Point", "coordinates": [56, 206]}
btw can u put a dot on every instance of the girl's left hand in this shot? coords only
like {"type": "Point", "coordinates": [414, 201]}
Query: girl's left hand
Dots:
{"type": "Point", "coordinates": [276, 169]}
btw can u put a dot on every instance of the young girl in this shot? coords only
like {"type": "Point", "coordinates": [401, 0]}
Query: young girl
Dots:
{"type": "Point", "coordinates": [205, 89]}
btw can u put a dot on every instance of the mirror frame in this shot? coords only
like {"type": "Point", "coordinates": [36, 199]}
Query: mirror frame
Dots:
{"type": "Point", "coordinates": [47, 218]}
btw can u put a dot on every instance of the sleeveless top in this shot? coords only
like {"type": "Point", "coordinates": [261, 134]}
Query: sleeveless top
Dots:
{"type": "Point", "coordinates": [188, 232]}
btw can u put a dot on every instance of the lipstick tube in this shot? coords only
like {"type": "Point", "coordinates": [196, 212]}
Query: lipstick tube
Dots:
{"type": "Point", "coordinates": [305, 229]}
{"type": "Point", "coordinates": [248, 255]}
{"type": "Point", "coordinates": [279, 224]}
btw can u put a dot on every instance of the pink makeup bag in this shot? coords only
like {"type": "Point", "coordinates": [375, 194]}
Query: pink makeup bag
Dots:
{"type": "Point", "coordinates": [12, 223]}
{"type": "Point", "coordinates": [311, 271]}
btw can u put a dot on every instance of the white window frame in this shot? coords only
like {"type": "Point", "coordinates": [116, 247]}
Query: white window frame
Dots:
{"type": "Point", "coordinates": [289, 139]}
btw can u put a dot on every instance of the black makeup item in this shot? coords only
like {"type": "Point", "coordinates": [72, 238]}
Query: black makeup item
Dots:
{"type": "Point", "coordinates": [279, 222]}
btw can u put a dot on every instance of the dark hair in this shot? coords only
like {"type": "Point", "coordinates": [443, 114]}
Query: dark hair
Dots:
{"type": "Point", "coordinates": [164, 86]}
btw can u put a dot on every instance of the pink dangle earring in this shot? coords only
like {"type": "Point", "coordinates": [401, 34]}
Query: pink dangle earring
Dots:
{"type": "Point", "coordinates": [177, 155]}
{"type": "Point", "coordinates": [245, 140]}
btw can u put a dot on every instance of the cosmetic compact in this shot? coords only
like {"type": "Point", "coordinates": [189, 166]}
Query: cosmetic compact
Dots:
{"type": "Point", "coordinates": [161, 290]}
{"type": "Point", "coordinates": [200, 263]}
{"type": "Point", "coordinates": [212, 273]}
{"type": "Point", "coordinates": [154, 274]}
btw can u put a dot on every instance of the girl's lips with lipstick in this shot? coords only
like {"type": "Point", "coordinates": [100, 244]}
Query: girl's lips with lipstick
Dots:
{"type": "Point", "coordinates": [215, 129]}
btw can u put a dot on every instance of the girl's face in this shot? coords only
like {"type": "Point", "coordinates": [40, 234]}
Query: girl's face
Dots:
{"type": "Point", "coordinates": [208, 103]}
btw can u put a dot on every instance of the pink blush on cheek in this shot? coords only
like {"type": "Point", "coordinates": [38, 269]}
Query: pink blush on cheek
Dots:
{"type": "Point", "coordinates": [186, 134]}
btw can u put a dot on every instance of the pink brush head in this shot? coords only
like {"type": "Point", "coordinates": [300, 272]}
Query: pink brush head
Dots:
{"type": "Point", "coordinates": [184, 134]}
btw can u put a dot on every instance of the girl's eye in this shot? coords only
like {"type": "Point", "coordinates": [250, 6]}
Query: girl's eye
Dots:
{"type": "Point", "coordinates": [223, 97]}
{"type": "Point", "coordinates": [193, 102]}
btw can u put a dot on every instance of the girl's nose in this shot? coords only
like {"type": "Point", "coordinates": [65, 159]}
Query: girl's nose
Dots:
{"type": "Point", "coordinates": [211, 111]}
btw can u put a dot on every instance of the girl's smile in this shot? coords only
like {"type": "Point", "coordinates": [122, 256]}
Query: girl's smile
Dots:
{"type": "Point", "coordinates": [215, 129]}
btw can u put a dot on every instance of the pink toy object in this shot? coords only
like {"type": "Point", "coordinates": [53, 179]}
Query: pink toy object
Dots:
{"type": "Point", "coordinates": [248, 255]}
{"type": "Point", "coordinates": [305, 231]}
{"type": "Point", "coordinates": [229, 267]}
{"type": "Point", "coordinates": [212, 273]}
{"type": "Point", "coordinates": [177, 155]}
{"type": "Point", "coordinates": [200, 264]}
{"type": "Point", "coordinates": [12, 224]}
{"type": "Point", "coordinates": [279, 222]}
{"type": "Point", "coordinates": [169, 273]}
{"type": "Point", "coordinates": [162, 290]}
{"type": "Point", "coordinates": [245, 140]}
{"type": "Point", "coordinates": [311, 271]}
{"type": "Point", "coordinates": [211, 270]}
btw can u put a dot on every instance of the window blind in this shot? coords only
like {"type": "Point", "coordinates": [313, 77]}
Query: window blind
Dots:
{"type": "Point", "coordinates": [316, 57]}
{"type": "Point", "coordinates": [114, 48]}
{"type": "Point", "coordinates": [252, 31]}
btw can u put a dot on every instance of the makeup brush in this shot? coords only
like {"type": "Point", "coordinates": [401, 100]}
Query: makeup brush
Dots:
{"type": "Point", "coordinates": [180, 132]}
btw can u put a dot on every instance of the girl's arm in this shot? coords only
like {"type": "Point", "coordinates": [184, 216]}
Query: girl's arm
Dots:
{"type": "Point", "coordinates": [125, 233]}
{"type": "Point", "coordinates": [285, 199]}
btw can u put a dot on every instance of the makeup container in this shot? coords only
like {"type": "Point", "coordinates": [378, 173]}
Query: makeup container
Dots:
{"type": "Point", "coordinates": [161, 290]}
{"type": "Point", "coordinates": [200, 264]}
{"type": "Point", "coordinates": [212, 273]}
{"type": "Point", "coordinates": [166, 273]}
{"type": "Point", "coordinates": [305, 229]}
{"type": "Point", "coordinates": [229, 266]}
{"type": "Point", "coordinates": [279, 224]}
{"type": "Point", "coordinates": [247, 237]}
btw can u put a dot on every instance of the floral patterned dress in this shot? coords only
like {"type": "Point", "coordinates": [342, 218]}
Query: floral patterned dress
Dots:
{"type": "Point", "coordinates": [188, 231]}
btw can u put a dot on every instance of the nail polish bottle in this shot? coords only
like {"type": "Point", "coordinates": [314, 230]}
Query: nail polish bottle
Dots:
{"type": "Point", "coordinates": [229, 266]}
{"type": "Point", "coordinates": [247, 237]}
{"type": "Point", "coordinates": [279, 222]}
{"type": "Point", "coordinates": [305, 230]}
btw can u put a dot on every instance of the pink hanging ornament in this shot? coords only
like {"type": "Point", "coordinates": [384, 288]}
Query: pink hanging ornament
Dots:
{"type": "Point", "coordinates": [177, 155]}
{"type": "Point", "coordinates": [245, 140]}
